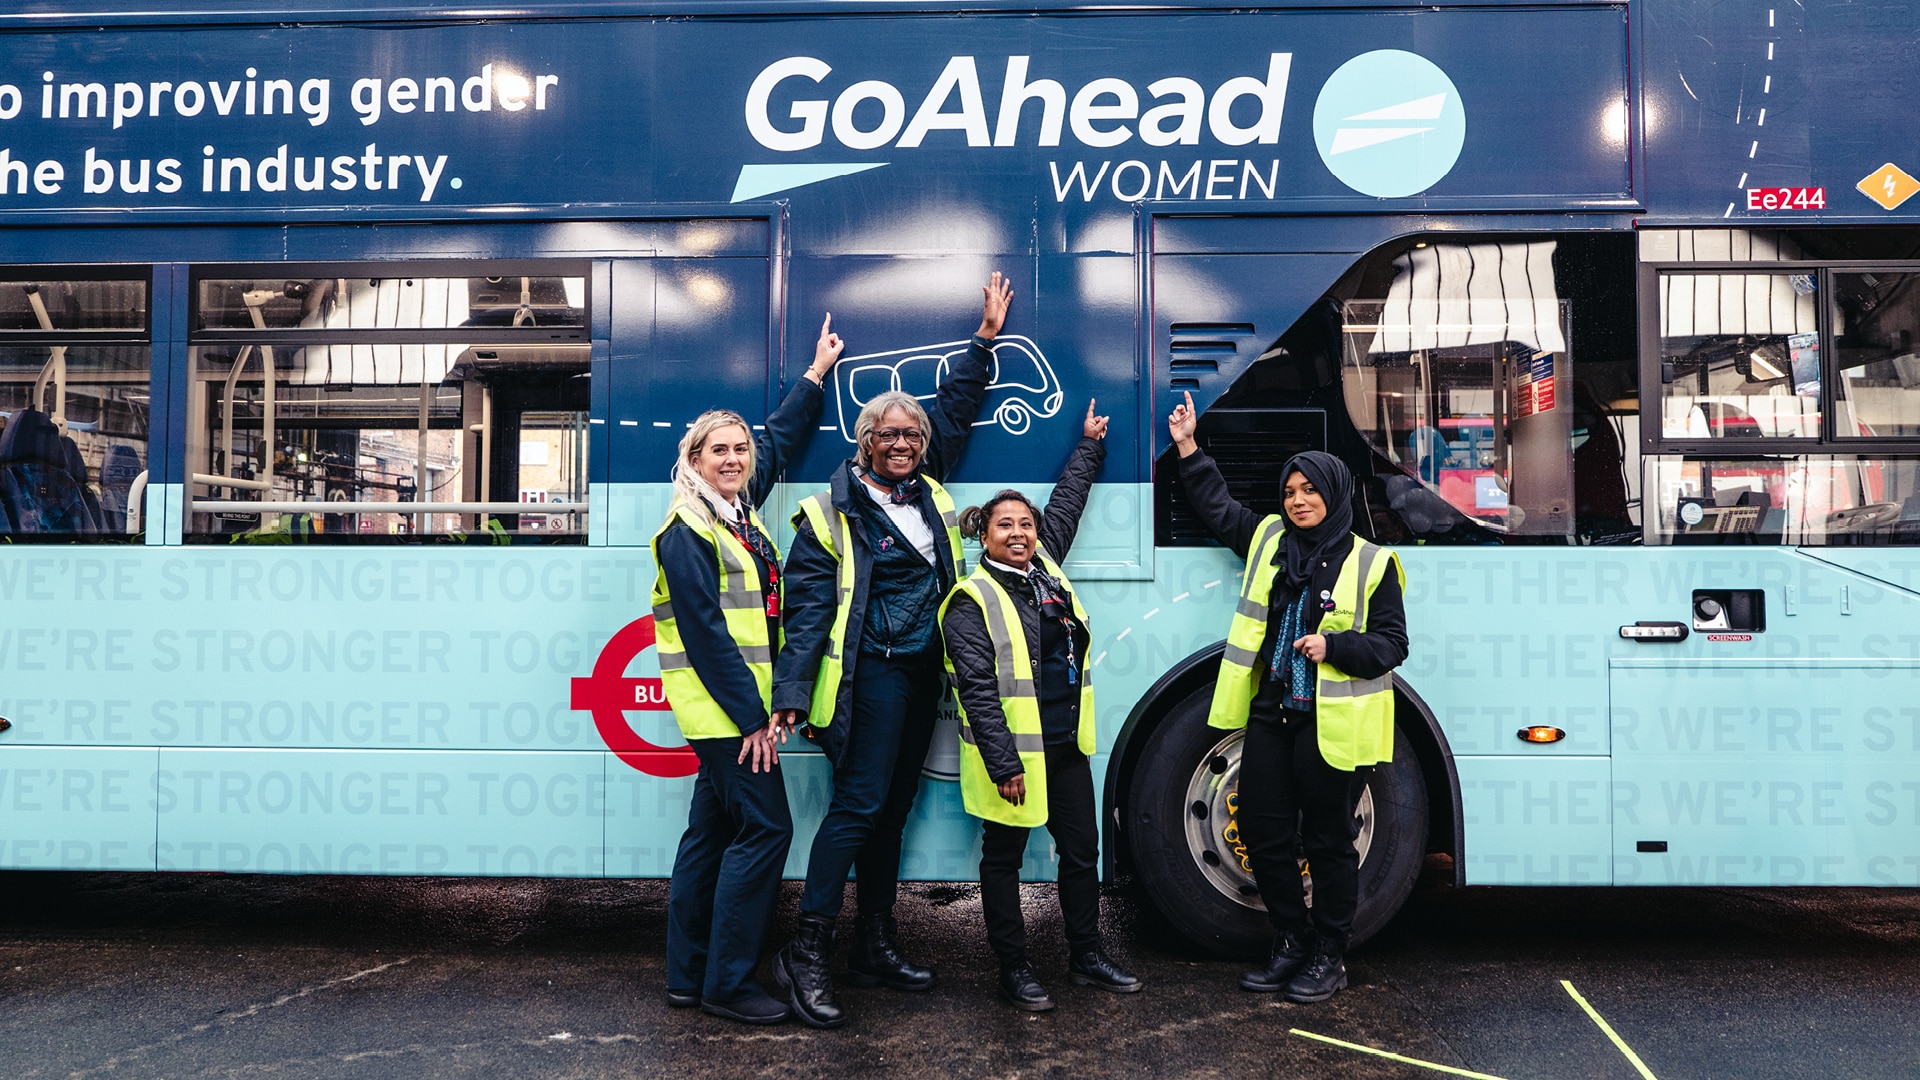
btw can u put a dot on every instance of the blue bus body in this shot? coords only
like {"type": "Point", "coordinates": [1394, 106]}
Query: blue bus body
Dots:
{"type": "Point", "coordinates": [1171, 191]}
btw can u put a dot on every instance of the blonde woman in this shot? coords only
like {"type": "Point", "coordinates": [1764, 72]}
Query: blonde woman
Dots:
{"type": "Point", "coordinates": [716, 609]}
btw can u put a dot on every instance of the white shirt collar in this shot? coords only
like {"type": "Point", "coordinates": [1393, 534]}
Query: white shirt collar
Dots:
{"type": "Point", "coordinates": [998, 565]}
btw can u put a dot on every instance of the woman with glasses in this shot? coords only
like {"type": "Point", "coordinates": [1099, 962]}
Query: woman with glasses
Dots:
{"type": "Point", "coordinates": [716, 610]}
{"type": "Point", "coordinates": [872, 558]}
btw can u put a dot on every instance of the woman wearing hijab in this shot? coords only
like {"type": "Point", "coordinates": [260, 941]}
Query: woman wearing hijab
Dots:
{"type": "Point", "coordinates": [716, 610]}
{"type": "Point", "coordinates": [1319, 627]}
{"type": "Point", "coordinates": [1017, 643]}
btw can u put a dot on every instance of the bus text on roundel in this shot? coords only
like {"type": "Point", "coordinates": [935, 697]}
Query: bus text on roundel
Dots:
{"type": "Point", "coordinates": [609, 692]}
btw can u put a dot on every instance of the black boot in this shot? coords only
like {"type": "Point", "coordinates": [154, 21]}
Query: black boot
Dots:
{"type": "Point", "coordinates": [801, 970]}
{"type": "Point", "coordinates": [1323, 975]}
{"type": "Point", "coordinates": [1095, 968]}
{"type": "Point", "coordinates": [1022, 990]}
{"type": "Point", "coordinates": [876, 959]}
{"type": "Point", "coordinates": [1290, 955]}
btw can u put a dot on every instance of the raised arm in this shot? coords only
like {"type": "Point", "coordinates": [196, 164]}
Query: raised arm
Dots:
{"type": "Point", "coordinates": [1060, 522]}
{"type": "Point", "coordinates": [793, 423]}
{"type": "Point", "coordinates": [1231, 521]}
{"type": "Point", "coordinates": [958, 402]}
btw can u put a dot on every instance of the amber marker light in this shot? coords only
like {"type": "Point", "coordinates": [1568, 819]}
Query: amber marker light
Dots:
{"type": "Point", "coordinates": [1541, 734]}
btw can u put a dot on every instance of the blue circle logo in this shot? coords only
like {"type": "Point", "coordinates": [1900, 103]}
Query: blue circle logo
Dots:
{"type": "Point", "coordinates": [1389, 124]}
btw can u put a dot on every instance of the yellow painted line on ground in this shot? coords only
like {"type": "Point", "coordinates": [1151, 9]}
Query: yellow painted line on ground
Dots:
{"type": "Point", "coordinates": [1435, 1066]}
{"type": "Point", "coordinates": [1611, 1034]}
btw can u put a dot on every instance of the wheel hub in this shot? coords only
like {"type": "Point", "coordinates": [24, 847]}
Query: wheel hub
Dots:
{"type": "Point", "coordinates": [1213, 828]}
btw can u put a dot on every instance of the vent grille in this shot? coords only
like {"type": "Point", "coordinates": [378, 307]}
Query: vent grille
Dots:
{"type": "Point", "coordinates": [1195, 349]}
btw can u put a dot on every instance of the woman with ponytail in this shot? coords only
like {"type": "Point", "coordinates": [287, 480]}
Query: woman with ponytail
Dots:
{"type": "Point", "coordinates": [1017, 643]}
{"type": "Point", "coordinates": [716, 610]}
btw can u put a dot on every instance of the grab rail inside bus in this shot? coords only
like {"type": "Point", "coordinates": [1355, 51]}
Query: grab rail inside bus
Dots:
{"type": "Point", "coordinates": [54, 370]}
{"type": "Point", "coordinates": [255, 300]}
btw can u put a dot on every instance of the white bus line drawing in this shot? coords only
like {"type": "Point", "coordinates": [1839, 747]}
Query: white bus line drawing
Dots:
{"type": "Point", "coordinates": [1022, 386]}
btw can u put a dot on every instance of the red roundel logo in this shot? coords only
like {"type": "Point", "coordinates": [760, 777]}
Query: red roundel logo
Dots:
{"type": "Point", "coordinates": [608, 693]}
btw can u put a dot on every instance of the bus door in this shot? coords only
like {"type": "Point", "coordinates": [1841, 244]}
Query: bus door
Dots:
{"type": "Point", "coordinates": [1776, 744]}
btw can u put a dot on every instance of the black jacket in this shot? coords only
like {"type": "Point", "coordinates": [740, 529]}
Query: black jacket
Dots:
{"type": "Point", "coordinates": [975, 671]}
{"type": "Point", "coordinates": [812, 576]}
{"type": "Point", "coordinates": [693, 572]}
{"type": "Point", "coordinates": [1363, 655]}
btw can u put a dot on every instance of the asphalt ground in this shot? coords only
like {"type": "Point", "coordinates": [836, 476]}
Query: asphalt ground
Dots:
{"type": "Point", "coordinates": [204, 975]}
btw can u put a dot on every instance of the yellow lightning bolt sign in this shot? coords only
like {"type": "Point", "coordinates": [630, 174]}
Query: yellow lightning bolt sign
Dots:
{"type": "Point", "coordinates": [1889, 185]}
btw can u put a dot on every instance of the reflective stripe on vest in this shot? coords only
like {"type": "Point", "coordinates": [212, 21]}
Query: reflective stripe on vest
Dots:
{"type": "Point", "coordinates": [1019, 702]}
{"type": "Point", "coordinates": [743, 604]}
{"type": "Point", "coordinates": [831, 529]}
{"type": "Point", "coordinates": [1354, 717]}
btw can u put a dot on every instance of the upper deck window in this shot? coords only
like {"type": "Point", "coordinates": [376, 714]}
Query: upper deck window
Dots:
{"type": "Point", "coordinates": [390, 404]}
{"type": "Point", "coordinates": [74, 395]}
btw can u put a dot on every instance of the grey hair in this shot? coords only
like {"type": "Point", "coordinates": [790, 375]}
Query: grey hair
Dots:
{"type": "Point", "coordinates": [870, 416]}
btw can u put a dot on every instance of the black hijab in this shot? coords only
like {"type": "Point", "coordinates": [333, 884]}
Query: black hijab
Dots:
{"type": "Point", "coordinates": [1301, 550]}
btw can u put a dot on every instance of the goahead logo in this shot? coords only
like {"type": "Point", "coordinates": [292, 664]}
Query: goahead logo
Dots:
{"type": "Point", "coordinates": [1389, 124]}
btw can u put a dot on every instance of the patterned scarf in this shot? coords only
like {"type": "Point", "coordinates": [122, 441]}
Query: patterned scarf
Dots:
{"type": "Point", "coordinates": [902, 493]}
{"type": "Point", "coordinates": [1290, 668]}
{"type": "Point", "coordinates": [1051, 597]}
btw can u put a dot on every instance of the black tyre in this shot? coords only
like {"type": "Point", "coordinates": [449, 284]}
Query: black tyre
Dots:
{"type": "Point", "coordinates": [1178, 823]}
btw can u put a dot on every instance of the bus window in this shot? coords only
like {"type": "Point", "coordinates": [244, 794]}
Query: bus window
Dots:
{"type": "Point", "coordinates": [1739, 356]}
{"type": "Point", "coordinates": [323, 405]}
{"type": "Point", "coordinates": [1811, 499]}
{"type": "Point", "coordinates": [74, 394]}
{"type": "Point", "coordinates": [1465, 384]}
{"type": "Point", "coordinates": [1876, 316]}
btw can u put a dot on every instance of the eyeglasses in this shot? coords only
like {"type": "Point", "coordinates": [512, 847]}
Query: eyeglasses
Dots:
{"type": "Point", "coordinates": [910, 436]}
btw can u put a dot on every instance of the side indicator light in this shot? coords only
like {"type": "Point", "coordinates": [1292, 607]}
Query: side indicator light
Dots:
{"type": "Point", "coordinates": [1541, 734]}
{"type": "Point", "coordinates": [1654, 631]}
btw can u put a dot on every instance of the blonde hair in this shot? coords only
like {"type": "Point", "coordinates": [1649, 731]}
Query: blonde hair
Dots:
{"type": "Point", "coordinates": [690, 489]}
{"type": "Point", "coordinates": [869, 419]}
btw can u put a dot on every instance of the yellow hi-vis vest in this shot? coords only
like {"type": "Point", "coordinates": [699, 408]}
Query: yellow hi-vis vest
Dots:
{"type": "Point", "coordinates": [1354, 716]}
{"type": "Point", "coordinates": [743, 603]}
{"type": "Point", "coordinates": [830, 527]}
{"type": "Point", "coordinates": [1019, 702]}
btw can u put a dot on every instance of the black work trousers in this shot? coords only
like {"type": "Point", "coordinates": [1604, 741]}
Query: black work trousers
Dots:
{"type": "Point", "coordinates": [1076, 840]}
{"type": "Point", "coordinates": [726, 876]}
{"type": "Point", "coordinates": [895, 701]}
{"type": "Point", "coordinates": [1291, 798]}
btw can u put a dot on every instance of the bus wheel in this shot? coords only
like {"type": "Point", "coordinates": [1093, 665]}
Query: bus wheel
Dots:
{"type": "Point", "coordinates": [1186, 842]}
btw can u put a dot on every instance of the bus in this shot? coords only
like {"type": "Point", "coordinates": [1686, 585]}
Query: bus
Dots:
{"type": "Point", "coordinates": [344, 348]}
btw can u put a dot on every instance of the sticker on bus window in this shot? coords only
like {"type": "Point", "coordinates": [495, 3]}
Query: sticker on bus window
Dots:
{"type": "Point", "coordinates": [1534, 390]}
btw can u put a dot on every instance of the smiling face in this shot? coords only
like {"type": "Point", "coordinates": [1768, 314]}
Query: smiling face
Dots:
{"type": "Point", "coordinates": [1305, 508]}
{"type": "Point", "coordinates": [896, 445]}
{"type": "Point", "coordinates": [725, 460]}
{"type": "Point", "coordinates": [1011, 534]}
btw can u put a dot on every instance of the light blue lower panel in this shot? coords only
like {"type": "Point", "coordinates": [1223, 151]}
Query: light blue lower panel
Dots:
{"type": "Point", "coordinates": [645, 816]}
{"type": "Point", "coordinates": [490, 813]}
{"type": "Point", "coordinates": [1536, 820]}
{"type": "Point", "coordinates": [76, 809]}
